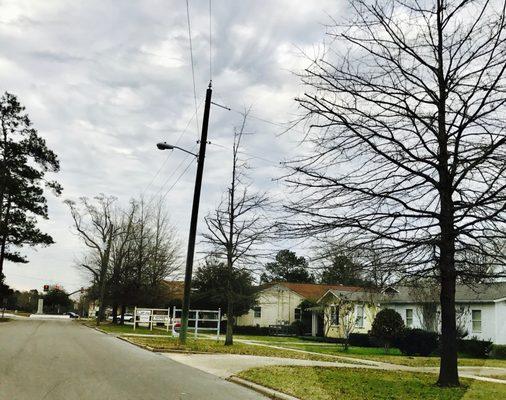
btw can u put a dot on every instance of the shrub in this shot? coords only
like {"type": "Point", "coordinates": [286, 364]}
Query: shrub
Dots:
{"type": "Point", "coordinates": [360, 340]}
{"type": "Point", "coordinates": [417, 342]}
{"type": "Point", "coordinates": [248, 330]}
{"type": "Point", "coordinates": [298, 328]}
{"type": "Point", "coordinates": [474, 347]}
{"type": "Point", "coordinates": [387, 327]}
{"type": "Point", "coordinates": [498, 351]}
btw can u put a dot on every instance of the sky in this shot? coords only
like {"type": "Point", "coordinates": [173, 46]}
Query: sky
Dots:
{"type": "Point", "coordinates": [104, 81]}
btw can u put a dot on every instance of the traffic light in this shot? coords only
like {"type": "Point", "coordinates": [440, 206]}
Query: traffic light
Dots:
{"type": "Point", "coordinates": [46, 288]}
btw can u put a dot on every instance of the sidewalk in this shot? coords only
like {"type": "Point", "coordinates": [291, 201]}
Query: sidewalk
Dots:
{"type": "Point", "coordinates": [228, 365]}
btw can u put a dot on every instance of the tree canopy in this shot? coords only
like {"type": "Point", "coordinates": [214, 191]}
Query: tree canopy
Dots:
{"type": "Point", "coordinates": [24, 162]}
{"type": "Point", "coordinates": [287, 267]}
{"type": "Point", "coordinates": [211, 292]}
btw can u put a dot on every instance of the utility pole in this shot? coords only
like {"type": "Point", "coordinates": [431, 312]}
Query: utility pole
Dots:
{"type": "Point", "coordinates": [194, 218]}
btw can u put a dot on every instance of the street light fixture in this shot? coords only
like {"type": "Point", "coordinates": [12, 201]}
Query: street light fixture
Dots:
{"type": "Point", "coordinates": [166, 146]}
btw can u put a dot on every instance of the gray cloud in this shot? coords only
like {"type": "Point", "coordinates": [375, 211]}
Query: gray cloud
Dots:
{"type": "Point", "coordinates": [103, 81]}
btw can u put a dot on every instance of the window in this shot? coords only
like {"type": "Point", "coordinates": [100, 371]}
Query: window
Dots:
{"type": "Point", "coordinates": [409, 317]}
{"type": "Point", "coordinates": [476, 316]}
{"type": "Point", "coordinates": [298, 314]}
{"type": "Point", "coordinates": [334, 315]}
{"type": "Point", "coordinates": [359, 312]}
{"type": "Point", "coordinates": [257, 312]}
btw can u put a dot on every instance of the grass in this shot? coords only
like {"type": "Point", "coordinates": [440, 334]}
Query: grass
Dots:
{"type": "Point", "coordinates": [394, 356]}
{"type": "Point", "coordinates": [5, 319]}
{"type": "Point", "coordinates": [503, 377]}
{"type": "Point", "coordinates": [213, 346]}
{"type": "Point", "coordinates": [124, 330]}
{"type": "Point", "coordinates": [322, 383]}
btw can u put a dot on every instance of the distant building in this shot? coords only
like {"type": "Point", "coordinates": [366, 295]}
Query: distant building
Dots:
{"type": "Point", "coordinates": [481, 309]}
{"type": "Point", "coordinates": [279, 303]}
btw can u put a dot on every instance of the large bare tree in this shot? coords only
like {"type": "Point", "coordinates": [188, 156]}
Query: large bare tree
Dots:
{"type": "Point", "coordinates": [237, 227]}
{"type": "Point", "coordinates": [95, 223]}
{"type": "Point", "coordinates": [405, 111]}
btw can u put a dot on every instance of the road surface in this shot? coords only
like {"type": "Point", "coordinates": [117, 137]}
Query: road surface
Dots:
{"type": "Point", "coordinates": [56, 360]}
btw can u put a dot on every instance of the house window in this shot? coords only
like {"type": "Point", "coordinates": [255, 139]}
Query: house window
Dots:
{"type": "Point", "coordinates": [298, 314]}
{"type": "Point", "coordinates": [476, 316]}
{"type": "Point", "coordinates": [257, 312]}
{"type": "Point", "coordinates": [409, 317]}
{"type": "Point", "coordinates": [359, 312]}
{"type": "Point", "coordinates": [334, 315]}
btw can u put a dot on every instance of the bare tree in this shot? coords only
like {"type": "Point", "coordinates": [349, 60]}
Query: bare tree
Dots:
{"type": "Point", "coordinates": [95, 225]}
{"type": "Point", "coordinates": [406, 117]}
{"type": "Point", "coordinates": [237, 227]}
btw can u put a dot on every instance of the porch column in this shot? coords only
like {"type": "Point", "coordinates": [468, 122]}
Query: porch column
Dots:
{"type": "Point", "coordinates": [314, 323]}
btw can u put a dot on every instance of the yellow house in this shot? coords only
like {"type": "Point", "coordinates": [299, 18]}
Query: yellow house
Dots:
{"type": "Point", "coordinates": [279, 303]}
{"type": "Point", "coordinates": [346, 312]}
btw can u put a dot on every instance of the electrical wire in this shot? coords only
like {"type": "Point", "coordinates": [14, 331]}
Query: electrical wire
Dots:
{"type": "Point", "coordinates": [176, 181]}
{"type": "Point", "coordinates": [168, 155]}
{"type": "Point", "coordinates": [192, 64]}
{"type": "Point", "coordinates": [210, 44]}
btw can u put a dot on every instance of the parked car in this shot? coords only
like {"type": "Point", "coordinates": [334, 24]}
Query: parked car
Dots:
{"type": "Point", "coordinates": [128, 317]}
{"type": "Point", "coordinates": [72, 314]}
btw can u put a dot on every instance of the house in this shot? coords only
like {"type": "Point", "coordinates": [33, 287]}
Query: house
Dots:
{"type": "Point", "coordinates": [279, 303]}
{"type": "Point", "coordinates": [481, 309]}
{"type": "Point", "coordinates": [342, 312]}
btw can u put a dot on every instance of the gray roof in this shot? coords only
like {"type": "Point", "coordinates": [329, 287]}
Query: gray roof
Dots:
{"type": "Point", "coordinates": [484, 292]}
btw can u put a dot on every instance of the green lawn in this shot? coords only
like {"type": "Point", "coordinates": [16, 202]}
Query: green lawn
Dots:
{"type": "Point", "coordinates": [5, 319]}
{"type": "Point", "coordinates": [126, 329]}
{"type": "Point", "coordinates": [318, 383]}
{"type": "Point", "coordinates": [394, 356]}
{"type": "Point", "coordinates": [213, 346]}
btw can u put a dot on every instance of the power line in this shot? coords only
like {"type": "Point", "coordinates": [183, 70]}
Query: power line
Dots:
{"type": "Point", "coordinates": [168, 155]}
{"type": "Point", "coordinates": [192, 64]}
{"type": "Point", "coordinates": [210, 44]}
{"type": "Point", "coordinates": [177, 180]}
{"type": "Point", "coordinates": [162, 186]}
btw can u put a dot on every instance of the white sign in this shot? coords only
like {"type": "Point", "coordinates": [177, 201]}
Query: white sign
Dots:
{"type": "Point", "coordinates": [144, 315]}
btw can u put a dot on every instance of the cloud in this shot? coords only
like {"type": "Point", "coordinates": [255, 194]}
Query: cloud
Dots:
{"type": "Point", "coordinates": [103, 81]}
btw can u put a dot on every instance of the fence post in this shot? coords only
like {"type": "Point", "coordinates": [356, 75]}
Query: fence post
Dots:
{"type": "Point", "coordinates": [168, 319]}
{"type": "Point", "coordinates": [135, 316]}
{"type": "Point", "coordinates": [151, 314]}
{"type": "Point", "coordinates": [196, 323]}
{"type": "Point", "coordinates": [219, 325]}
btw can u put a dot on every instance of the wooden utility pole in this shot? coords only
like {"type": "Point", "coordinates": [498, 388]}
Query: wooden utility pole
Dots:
{"type": "Point", "coordinates": [194, 218]}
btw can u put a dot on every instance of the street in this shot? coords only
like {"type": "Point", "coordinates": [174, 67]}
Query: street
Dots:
{"type": "Point", "coordinates": [64, 360]}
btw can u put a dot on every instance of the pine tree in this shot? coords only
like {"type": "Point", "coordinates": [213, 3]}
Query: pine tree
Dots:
{"type": "Point", "coordinates": [24, 162]}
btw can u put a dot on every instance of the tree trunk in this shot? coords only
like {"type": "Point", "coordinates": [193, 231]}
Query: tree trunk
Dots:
{"type": "Point", "coordinates": [101, 307]}
{"type": "Point", "coordinates": [122, 318]}
{"type": "Point", "coordinates": [229, 338]}
{"type": "Point", "coordinates": [448, 372]}
{"type": "Point", "coordinates": [115, 313]}
{"type": "Point", "coordinates": [5, 229]}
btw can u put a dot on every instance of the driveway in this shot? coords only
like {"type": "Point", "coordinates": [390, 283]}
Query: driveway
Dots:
{"type": "Point", "coordinates": [64, 360]}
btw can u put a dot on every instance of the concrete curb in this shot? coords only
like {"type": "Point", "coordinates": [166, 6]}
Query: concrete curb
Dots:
{"type": "Point", "coordinates": [271, 393]}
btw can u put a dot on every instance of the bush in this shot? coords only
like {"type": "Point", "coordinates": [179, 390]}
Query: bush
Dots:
{"type": "Point", "coordinates": [498, 351]}
{"type": "Point", "coordinates": [360, 340]}
{"type": "Point", "coordinates": [387, 327]}
{"type": "Point", "coordinates": [248, 330]}
{"type": "Point", "coordinates": [474, 347]}
{"type": "Point", "coordinates": [417, 342]}
{"type": "Point", "coordinates": [298, 328]}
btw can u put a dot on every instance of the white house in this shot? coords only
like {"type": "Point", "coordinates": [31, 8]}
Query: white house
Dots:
{"type": "Point", "coordinates": [278, 303]}
{"type": "Point", "coordinates": [481, 309]}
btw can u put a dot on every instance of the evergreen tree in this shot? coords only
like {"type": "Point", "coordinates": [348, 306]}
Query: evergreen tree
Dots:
{"type": "Point", "coordinates": [24, 162]}
{"type": "Point", "coordinates": [287, 268]}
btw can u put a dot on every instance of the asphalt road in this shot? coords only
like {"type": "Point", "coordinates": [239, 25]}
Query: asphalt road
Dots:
{"type": "Point", "coordinates": [56, 360]}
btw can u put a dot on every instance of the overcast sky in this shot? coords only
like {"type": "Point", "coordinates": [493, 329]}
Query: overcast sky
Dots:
{"type": "Point", "coordinates": [103, 81]}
